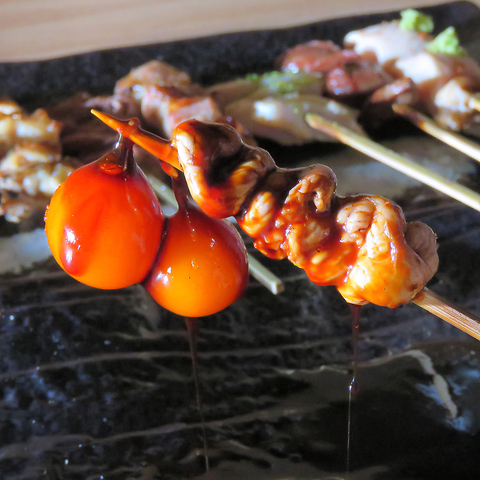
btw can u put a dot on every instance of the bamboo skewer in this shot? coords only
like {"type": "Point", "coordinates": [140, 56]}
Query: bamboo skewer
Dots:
{"type": "Point", "coordinates": [445, 310]}
{"type": "Point", "coordinates": [459, 142]}
{"type": "Point", "coordinates": [395, 160]}
{"type": "Point", "coordinates": [426, 299]}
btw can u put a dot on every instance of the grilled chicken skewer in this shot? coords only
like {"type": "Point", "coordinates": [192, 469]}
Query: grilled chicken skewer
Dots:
{"type": "Point", "coordinates": [433, 75]}
{"type": "Point", "coordinates": [361, 244]}
{"type": "Point", "coordinates": [295, 213]}
{"type": "Point", "coordinates": [445, 77]}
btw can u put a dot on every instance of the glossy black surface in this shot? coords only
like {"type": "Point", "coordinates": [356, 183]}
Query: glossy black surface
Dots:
{"type": "Point", "coordinates": [97, 384]}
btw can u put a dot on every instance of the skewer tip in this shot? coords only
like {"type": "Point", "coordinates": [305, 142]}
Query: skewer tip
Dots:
{"type": "Point", "coordinates": [124, 127]}
{"type": "Point", "coordinates": [131, 129]}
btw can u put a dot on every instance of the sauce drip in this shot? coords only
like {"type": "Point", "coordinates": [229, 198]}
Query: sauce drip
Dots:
{"type": "Point", "coordinates": [353, 387]}
{"type": "Point", "coordinates": [192, 329]}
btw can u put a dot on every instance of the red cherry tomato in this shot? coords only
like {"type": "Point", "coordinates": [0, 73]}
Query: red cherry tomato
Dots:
{"type": "Point", "coordinates": [104, 223]}
{"type": "Point", "coordinates": [202, 266]}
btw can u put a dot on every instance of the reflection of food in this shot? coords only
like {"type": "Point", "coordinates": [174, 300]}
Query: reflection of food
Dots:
{"type": "Point", "coordinates": [360, 244]}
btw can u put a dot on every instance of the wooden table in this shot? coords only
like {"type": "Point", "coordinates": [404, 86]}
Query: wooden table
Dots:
{"type": "Point", "coordinates": [38, 29]}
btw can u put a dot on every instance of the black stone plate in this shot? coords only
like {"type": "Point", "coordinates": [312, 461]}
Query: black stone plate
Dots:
{"type": "Point", "coordinates": [97, 384]}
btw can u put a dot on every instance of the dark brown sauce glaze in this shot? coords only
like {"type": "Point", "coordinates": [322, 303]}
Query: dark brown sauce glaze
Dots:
{"type": "Point", "coordinates": [192, 330]}
{"type": "Point", "coordinates": [353, 389]}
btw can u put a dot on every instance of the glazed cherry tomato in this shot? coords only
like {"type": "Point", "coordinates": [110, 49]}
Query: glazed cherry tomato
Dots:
{"type": "Point", "coordinates": [202, 265]}
{"type": "Point", "coordinates": [104, 223]}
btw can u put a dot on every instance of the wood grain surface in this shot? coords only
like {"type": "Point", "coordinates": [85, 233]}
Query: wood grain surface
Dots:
{"type": "Point", "coordinates": [39, 29]}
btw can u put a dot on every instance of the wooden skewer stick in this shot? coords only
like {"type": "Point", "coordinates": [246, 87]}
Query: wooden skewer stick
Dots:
{"type": "Point", "coordinates": [445, 310]}
{"type": "Point", "coordinates": [395, 160]}
{"type": "Point", "coordinates": [461, 143]}
{"type": "Point", "coordinates": [153, 144]}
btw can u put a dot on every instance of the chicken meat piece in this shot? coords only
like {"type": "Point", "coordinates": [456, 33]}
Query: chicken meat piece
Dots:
{"type": "Point", "coordinates": [316, 56]}
{"type": "Point", "coordinates": [354, 79]}
{"type": "Point", "coordinates": [378, 107]}
{"type": "Point", "coordinates": [152, 73]}
{"type": "Point", "coordinates": [166, 107]}
{"type": "Point", "coordinates": [360, 244]}
{"type": "Point", "coordinates": [454, 105]}
{"type": "Point", "coordinates": [220, 170]}
{"type": "Point", "coordinates": [164, 97]}
{"type": "Point", "coordinates": [9, 107]}
{"type": "Point", "coordinates": [394, 260]}
{"type": "Point", "coordinates": [18, 126]}
{"type": "Point", "coordinates": [20, 207]}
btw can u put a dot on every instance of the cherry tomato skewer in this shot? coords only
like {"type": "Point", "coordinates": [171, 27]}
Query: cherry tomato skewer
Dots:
{"type": "Point", "coordinates": [202, 265]}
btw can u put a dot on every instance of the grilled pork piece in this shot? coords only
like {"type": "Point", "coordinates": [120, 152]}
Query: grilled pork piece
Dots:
{"type": "Point", "coordinates": [346, 72]}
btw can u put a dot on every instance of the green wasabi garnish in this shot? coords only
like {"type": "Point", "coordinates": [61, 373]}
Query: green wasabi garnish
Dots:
{"type": "Point", "coordinates": [447, 43]}
{"type": "Point", "coordinates": [416, 21]}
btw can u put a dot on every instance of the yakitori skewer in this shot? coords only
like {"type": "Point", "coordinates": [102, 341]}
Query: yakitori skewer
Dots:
{"type": "Point", "coordinates": [257, 270]}
{"type": "Point", "coordinates": [459, 142]}
{"type": "Point", "coordinates": [423, 298]}
{"type": "Point", "coordinates": [400, 63]}
{"type": "Point", "coordinates": [396, 161]}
